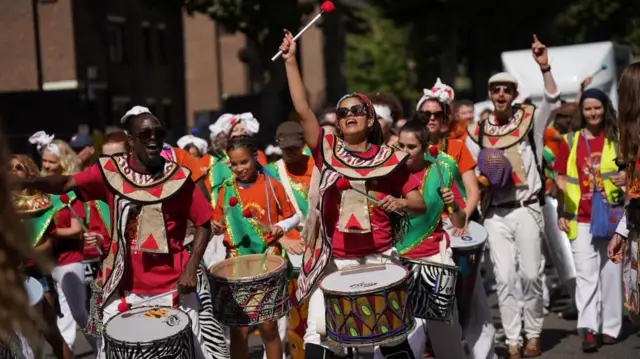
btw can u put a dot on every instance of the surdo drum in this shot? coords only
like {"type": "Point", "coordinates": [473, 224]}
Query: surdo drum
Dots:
{"type": "Point", "coordinates": [367, 305]}
{"type": "Point", "coordinates": [249, 290]}
{"type": "Point", "coordinates": [149, 332]}
{"type": "Point", "coordinates": [431, 289]}
{"type": "Point", "coordinates": [467, 253]}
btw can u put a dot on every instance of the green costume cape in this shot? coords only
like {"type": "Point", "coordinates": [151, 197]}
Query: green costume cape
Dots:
{"type": "Point", "coordinates": [219, 172]}
{"type": "Point", "coordinates": [245, 234]}
{"type": "Point", "coordinates": [301, 197]}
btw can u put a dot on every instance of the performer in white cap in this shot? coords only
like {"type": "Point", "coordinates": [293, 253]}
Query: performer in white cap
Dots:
{"type": "Point", "coordinates": [508, 148]}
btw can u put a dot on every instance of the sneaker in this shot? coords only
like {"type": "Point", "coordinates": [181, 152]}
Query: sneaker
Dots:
{"type": "Point", "coordinates": [532, 349]}
{"type": "Point", "coordinates": [513, 351]}
{"type": "Point", "coordinates": [590, 343]}
{"type": "Point", "coordinates": [608, 340]}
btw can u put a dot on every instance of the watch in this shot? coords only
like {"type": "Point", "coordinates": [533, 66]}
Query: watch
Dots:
{"type": "Point", "coordinates": [546, 69]}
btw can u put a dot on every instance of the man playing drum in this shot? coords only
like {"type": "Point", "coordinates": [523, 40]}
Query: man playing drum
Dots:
{"type": "Point", "coordinates": [150, 200]}
{"type": "Point", "coordinates": [352, 232]}
{"type": "Point", "coordinates": [508, 148]}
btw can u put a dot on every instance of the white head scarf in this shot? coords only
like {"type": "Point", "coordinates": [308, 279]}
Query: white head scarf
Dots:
{"type": "Point", "coordinates": [225, 123]}
{"type": "Point", "coordinates": [200, 144]}
{"type": "Point", "coordinates": [44, 141]}
{"type": "Point", "coordinates": [384, 112]}
{"type": "Point", "coordinates": [273, 150]}
{"type": "Point", "coordinates": [439, 92]}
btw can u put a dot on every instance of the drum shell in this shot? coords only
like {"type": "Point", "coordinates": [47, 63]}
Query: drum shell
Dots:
{"type": "Point", "coordinates": [468, 260]}
{"type": "Point", "coordinates": [296, 323]}
{"type": "Point", "coordinates": [432, 288]}
{"type": "Point", "coordinates": [94, 325]}
{"type": "Point", "coordinates": [558, 244]}
{"type": "Point", "coordinates": [245, 302]}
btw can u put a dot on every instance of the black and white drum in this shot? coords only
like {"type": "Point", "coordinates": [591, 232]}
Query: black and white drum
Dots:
{"type": "Point", "coordinates": [149, 333]}
{"type": "Point", "coordinates": [467, 253]}
{"type": "Point", "coordinates": [431, 289]}
{"type": "Point", "coordinates": [91, 268]}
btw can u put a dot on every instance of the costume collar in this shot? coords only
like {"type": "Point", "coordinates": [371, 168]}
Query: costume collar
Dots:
{"type": "Point", "coordinates": [507, 135]}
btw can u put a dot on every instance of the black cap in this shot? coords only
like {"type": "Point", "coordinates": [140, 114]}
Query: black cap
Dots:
{"type": "Point", "coordinates": [289, 134]}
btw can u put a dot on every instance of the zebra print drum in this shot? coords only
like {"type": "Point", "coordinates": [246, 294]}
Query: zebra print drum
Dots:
{"type": "Point", "coordinates": [467, 253]}
{"type": "Point", "coordinates": [432, 289]}
{"type": "Point", "coordinates": [94, 325]}
{"type": "Point", "coordinates": [367, 305]}
{"type": "Point", "coordinates": [149, 333]}
{"type": "Point", "coordinates": [249, 290]}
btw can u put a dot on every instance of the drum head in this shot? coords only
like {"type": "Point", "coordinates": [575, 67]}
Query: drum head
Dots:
{"type": "Point", "coordinates": [34, 289]}
{"type": "Point", "coordinates": [248, 268]}
{"type": "Point", "coordinates": [476, 236]}
{"type": "Point", "coordinates": [363, 279]}
{"type": "Point", "coordinates": [296, 260]}
{"type": "Point", "coordinates": [147, 324]}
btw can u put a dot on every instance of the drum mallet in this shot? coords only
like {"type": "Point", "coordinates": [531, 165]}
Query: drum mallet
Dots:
{"type": "Point", "coordinates": [233, 201]}
{"type": "Point", "coordinates": [343, 184]}
{"type": "Point", "coordinates": [246, 213]}
{"type": "Point", "coordinates": [602, 68]}
{"type": "Point", "coordinates": [64, 198]}
{"type": "Point", "coordinates": [433, 151]}
{"type": "Point", "coordinates": [124, 306]}
{"type": "Point", "coordinates": [325, 8]}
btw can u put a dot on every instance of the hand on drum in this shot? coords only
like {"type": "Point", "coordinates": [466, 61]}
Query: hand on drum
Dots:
{"type": "Point", "coordinates": [391, 204]}
{"type": "Point", "coordinates": [563, 224]}
{"type": "Point", "coordinates": [288, 47]}
{"type": "Point", "coordinates": [93, 239]}
{"type": "Point", "coordinates": [292, 245]}
{"type": "Point", "coordinates": [187, 282]}
{"type": "Point", "coordinates": [217, 228]}
{"type": "Point", "coordinates": [615, 251]}
{"type": "Point", "coordinates": [459, 232]}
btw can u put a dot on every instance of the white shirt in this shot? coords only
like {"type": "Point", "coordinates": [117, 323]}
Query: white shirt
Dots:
{"type": "Point", "coordinates": [541, 118]}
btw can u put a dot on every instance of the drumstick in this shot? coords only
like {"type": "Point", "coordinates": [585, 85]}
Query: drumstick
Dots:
{"type": "Point", "coordinates": [433, 151]}
{"type": "Point", "coordinates": [233, 201]}
{"type": "Point", "coordinates": [124, 306]}
{"type": "Point", "coordinates": [64, 198]}
{"type": "Point", "coordinates": [343, 184]}
{"type": "Point", "coordinates": [246, 213]}
{"type": "Point", "coordinates": [602, 68]}
{"type": "Point", "coordinates": [326, 7]}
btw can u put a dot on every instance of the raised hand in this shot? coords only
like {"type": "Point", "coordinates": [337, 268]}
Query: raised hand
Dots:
{"type": "Point", "coordinates": [539, 52]}
{"type": "Point", "coordinates": [288, 47]}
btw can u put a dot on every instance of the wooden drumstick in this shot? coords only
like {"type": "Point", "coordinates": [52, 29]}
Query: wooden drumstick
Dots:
{"type": "Point", "coordinates": [363, 269]}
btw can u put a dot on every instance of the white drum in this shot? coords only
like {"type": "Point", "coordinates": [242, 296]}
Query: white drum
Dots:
{"type": "Point", "coordinates": [296, 261]}
{"type": "Point", "coordinates": [476, 235]}
{"type": "Point", "coordinates": [367, 305]}
{"type": "Point", "coordinates": [34, 290]}
{"type": "Point", "coordinates": [149, 332]}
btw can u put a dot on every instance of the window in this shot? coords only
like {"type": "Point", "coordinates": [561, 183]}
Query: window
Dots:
{"type": "Point", "coordinates": [146, 42]}
{"type": "Point", "coordinates": [162, 44]}
{"type": "Point", "coordinates": [115, 38]}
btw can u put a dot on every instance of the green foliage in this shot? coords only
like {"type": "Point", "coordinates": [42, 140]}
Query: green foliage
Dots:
{"type": "Point", "coordinates": [377, 55]}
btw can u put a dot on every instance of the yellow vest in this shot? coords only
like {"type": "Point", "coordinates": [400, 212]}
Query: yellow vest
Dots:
{"type": "Point", "coordinates": [572, 194]}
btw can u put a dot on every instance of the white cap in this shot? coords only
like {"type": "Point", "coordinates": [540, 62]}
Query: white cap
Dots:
{"type": "Point", "coordinates": [135, 111]}
{"type": "Point", "coordinates": [503, 77]}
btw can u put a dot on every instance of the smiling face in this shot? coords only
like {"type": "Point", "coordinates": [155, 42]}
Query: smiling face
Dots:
{"type": "Point", "coordinates": [593, 112]}
{"type": "Point", "coordinates": [436, 116]}
{"type": "Point", "coordinates": [238, 130]}
{"type": "Point", "coordinates": [146, 139]}
{"type": "Point", "coordinates": [242, 164]}
{"type": "Point", "coordinates": [408, 142]}
{"type": "Point", "coordinates": [353, 120]}
{"type": "Point", "coordinates": [51, 164]}
{"type": "Point", "coordinates": [502, 96]}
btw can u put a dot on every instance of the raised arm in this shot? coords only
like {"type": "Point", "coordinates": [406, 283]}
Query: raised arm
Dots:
{"type": "Point", "coordinates": [308, 119]}
{"type": "Point", "coordinates": [56, 184]}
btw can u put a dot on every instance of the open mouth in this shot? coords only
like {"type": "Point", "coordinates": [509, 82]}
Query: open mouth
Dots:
{"type": "Point", "coordinates": [153, 148]}
{"type": "Point", "coordinates": [351, 121]}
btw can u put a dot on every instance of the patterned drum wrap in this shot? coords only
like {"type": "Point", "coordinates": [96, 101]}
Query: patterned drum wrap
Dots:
{"type": "Point", "coordinates": [431, 289]}
{"type": "Point", "coordinates": [94, 325]}
{"type": "Point", "coordinates": [249, 290]}
{"type": "Point", "coordinates": [367, 305]}
{"type": "Point", "coordinates": [296, 323]}
{"type": "Point", "coordinates": [149, 333]}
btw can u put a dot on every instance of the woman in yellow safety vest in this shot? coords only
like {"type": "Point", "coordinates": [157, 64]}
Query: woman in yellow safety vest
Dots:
{"type": "Point", "coordinates": [591, 183]}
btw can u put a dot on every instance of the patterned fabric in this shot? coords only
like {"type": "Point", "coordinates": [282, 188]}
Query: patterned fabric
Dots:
{"type": "Point", "coordinates": [218, 173]}
{"type": "Point", "coordinates": [210, 328]}
{"type": "Point", "coordinates": [245, 231]}
{"type": "Point", "coordinates": [37, 212]}
{"type": "Point", "coordinates": [630, 277]}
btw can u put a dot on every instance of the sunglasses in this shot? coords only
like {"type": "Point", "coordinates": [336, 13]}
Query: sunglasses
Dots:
{"type": "Point", "coordinates": [356, 110]}
{"type": "Point", "coordinates": [18, 167]}
{"type": "Point", "coordinates": [507, 89]}
{"type": "Point", "coordinates": [146, 134]}
{"type": "Point", "coordinates": [438, 115]}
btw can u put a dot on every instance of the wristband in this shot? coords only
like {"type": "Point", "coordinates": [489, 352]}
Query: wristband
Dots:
{"type": "Point", "coordinates": [545, 70]}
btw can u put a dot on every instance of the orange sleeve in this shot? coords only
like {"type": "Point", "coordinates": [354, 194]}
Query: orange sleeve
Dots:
{"type": "Point", "coordinates": [218, 211]}
{"type": "Point", "coordinates": [262, 158]}
{"type": "Point", "coordinates": [183, 158]}
{"type": "Point", "coordinates": [464, 157]}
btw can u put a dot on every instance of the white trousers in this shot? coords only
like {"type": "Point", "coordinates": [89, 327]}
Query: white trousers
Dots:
{"type": "Point", "coordinates": [72, 295]}
{"type": "Point", "coordinates": [516, 244]}
{"type": "Point", "coordinates": [598, 285]}
{"type": "Point", "coordinates": [546, 299]}
{"type": "Point", "coordinates": [188, 303]}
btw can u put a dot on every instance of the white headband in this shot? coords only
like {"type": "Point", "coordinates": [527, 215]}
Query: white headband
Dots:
{"type": "Point", "coordinates": [273, 150]}
{"type": "Point", "coordinates": [225, 123]}
{"type": "Point", "coordinates": [44, 141]}
{"type": "Point", "coordinates": [439, 92]}
{"type": "Point", "coordinates": [200, 144]}
{"type": "Point", "coordinates": [384, 112]}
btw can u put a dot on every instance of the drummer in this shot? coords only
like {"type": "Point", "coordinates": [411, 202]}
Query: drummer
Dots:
{"type": "Point", "coordinates": [349, 239]}
{"type": "Point", "coordinates": [265, 199]}
{"type": "Point", "coordinates": [427, 239]}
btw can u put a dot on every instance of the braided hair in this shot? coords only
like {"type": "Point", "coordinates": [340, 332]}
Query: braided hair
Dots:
{"type": "Point", "coordinates": [374, 135]}
{"type": "Point", "coordinates": [248, 143]}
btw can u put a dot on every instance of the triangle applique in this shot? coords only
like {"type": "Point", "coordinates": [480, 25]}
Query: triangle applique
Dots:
{"type": "Point", "coordinates": [178, 176]}
{"type": "Point", "coordinates": [362, 171]}
{"type": "Point", "coordinates": [477, 131]}
{"type": "Point", "coordinates": [493, 140]}
{"type": "Point", "coordinates": [110, 166]}
{"type": "Point", "coordinates": [150, 244]}
{"type": "Point", "coordinates": [516, 132]}
{"type": "Point", "coordinates": [155, 191]}
{"type": "Point", "coordinates": [353, 223]}
{"type": "Point", "coordinates": [128, 188]}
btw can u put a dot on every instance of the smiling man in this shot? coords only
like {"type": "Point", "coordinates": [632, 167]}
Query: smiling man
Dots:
{"type": "Point", "coordinates": [151, 199]}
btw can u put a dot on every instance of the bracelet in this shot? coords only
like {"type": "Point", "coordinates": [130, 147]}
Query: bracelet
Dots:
{"type": "Point", "coordinates": [547, 69]}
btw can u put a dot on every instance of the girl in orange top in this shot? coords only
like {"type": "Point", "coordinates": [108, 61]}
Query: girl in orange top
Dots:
{"type": "Point", "coordinates": [271, 216]}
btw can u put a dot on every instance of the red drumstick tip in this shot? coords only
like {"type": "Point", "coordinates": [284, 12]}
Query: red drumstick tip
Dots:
{"type": "Point", "coordinates": [247, 213]}
{"type": "Point", "coordinates": [433, 151]}
{"type": "Point", "coordinates": [123, 307]}
{"type": "Point", "coordinates": [327, 7]}
{"type": "Point", "coordinates": [233, 201]}
{"type": "Point", "coordinates": [343, 184]}
{"type": "Point", "coordinates": [64, 198]}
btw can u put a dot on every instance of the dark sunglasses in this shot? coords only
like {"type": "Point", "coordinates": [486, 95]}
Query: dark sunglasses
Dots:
{"type": "Point", "coordinates": [438, 115]}
{"type": "Point", "coordinates": [356, 110]}
{"type": "Point", "coordinates": [507, 89]}
{"type": "Point", "coordinates": [146, 134]}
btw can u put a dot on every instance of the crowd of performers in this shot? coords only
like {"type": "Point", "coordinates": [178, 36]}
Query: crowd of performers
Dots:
{"type": "Point", "coordinates": [365, 230]}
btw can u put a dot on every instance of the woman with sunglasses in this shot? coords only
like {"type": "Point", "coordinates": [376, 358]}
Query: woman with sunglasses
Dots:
{"type": "Point", "coordinates": [366, 234]}
{"type": "Point", "coordinates": [38, 212]}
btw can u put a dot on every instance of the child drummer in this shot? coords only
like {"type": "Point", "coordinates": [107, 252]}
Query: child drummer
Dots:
{"type": "Point", "coordinates": [361, 234]}
{"type": "Point", "coordinates": [271, 216]}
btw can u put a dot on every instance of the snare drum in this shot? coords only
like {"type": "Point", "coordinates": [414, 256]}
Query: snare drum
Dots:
{"type": "Point", "coordinates": [249, 290]}
{"type": "Point", "coordinates": [149, 332]}
{"type": "Point", "coordinates": [94, 325]}
{"type": "Point", "coordinates": [467, 253]}
{"type": "Point", "coordinates": [431, 289]}
{"type": "Point", "coordinates": [367, 305]}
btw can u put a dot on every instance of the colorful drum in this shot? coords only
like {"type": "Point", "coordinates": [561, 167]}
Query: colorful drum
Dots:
{"type": "Point", "coordinates": [149, 332]}
{"type": "Point", "coordinates": [249, 290]}
{"type": "Point", "coordinates": [432, 289]}
{"type": "Point", "coordinates": [467, 253]}
{"type": "Point", "coordinates": [367, 305]}
{"type": "Point", "coordinates": [95, 325]}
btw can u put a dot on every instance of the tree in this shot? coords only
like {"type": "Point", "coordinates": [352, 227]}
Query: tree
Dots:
{"type": "Point", "coordinates": [377, 57]}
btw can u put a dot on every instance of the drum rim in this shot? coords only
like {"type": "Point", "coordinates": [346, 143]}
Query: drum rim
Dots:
{"type": "Point", "coordinates": [281, 268]}
{"type": "Point", "coordinates": [486, 237]}
{"type": "Point", "coordinates": [422, 262]}
{"type": "Point", "coordinates": [395, 338]}
{"type": "Point", "coordinates": [369, 291]}
{"type": "Point", "coordinates": [106, 335]}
